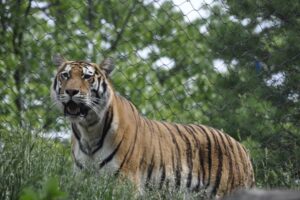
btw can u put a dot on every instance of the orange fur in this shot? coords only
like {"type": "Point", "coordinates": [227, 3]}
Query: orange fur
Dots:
{"type": "Point", "coordinates": [122, 141]}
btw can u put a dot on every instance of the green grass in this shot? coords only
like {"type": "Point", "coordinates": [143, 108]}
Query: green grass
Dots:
{"type": "Point", "coordinates": [36, 168]}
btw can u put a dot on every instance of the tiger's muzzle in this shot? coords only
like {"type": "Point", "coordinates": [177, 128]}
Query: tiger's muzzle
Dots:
{"type": "Point", "coordinates": [73, 108]}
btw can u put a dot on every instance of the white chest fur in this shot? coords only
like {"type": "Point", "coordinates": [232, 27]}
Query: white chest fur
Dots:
{"type": "Point", "coordinates": [91, 150]}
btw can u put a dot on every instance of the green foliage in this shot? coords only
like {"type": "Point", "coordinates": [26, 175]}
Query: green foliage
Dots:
{"type": "Point", "coordinates": [37, 168]}
{"type": "Point", "coordinates": [50, 191]}
{"type": "Point", "coordinates": [257, 41]}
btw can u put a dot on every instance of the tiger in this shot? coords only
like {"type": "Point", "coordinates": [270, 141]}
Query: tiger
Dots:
{"type": "Point", "coordinates": [108, 133]}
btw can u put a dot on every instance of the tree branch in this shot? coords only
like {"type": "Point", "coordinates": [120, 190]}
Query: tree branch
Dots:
{"type": "Point", "coordinates": [3, 17]}
{"type": "Point", "coordinates": [90, 14]}
{"type": "Point", "coordinates": [120, 33]}
{"type": "Point", "coordinates": [17, 45]}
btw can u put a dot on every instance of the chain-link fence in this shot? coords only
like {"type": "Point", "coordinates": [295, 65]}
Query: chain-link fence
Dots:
{"type": "Point", "coordinates": [233, 65]}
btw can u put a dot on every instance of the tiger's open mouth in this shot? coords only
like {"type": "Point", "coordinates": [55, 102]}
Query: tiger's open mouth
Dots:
{"type": "Point", "coordinates": [75, 109]}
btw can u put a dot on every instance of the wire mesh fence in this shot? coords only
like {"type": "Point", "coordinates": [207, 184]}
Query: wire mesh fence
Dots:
{"type": "Point", "coordinates": [233, 65]}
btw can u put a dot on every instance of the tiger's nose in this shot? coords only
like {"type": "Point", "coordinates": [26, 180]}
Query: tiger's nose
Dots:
{"type": "Point", "coordinates": [72, 92]}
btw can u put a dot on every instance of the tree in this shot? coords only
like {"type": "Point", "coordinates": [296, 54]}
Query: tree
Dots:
{"type": "Point", "coordinates": [257, 41]}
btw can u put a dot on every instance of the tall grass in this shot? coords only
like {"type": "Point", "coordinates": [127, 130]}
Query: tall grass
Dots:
{"type": "Point", "coordinates": [33, 167]}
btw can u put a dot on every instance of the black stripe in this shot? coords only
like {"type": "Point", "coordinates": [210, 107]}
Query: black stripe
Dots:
{"type": "Point", "coordinates": [142, 161]}
{"type": "Point", "coordinates": [197, 146]}
{"type": "Point", "coordinates": [234, 161]}
{"type": "Point", "coordinates": [107, 124]}
{"type": "Point", "coordinates": [97, 90]}
{"type": "Point", "coordinates": [190, 129]}
{"type": "Point", "coordinates": [173, 162]}
{"type": "Point", "coordinates": [97, 96]}
{"type": "Point", "coordinates": [239, 180]}
{"type": "Point", "coordinates": [77, 136]}
{"type": "Point", "coordinates": [135, 137]}
{"type": "Point", "coordinates": [162, 166]}
{"type": "Point", "coordinates": [55, 84]}
{"type": "Point", "coordinates": [104, 85]}
{"type": "Point", "coordinates": [150, 125]}
{"type": "Point", "coordinates": [242, 159]}
{"type": "Point", "coordinates": [144, 152]}
{"type": "Point", "coordinates": [178, 157]}
{"type": "Point", "coordinates": [76, 132]}
{"type": "Point", "coordinates": [174, 168]}
{"type": "Point", "coordinates": [132, 109]}
{"type": "Point", "coordinates": [93, 80]}
{"type": "Point", "coordinates": [108, 120]}
{"type": "Point", "coordinates": [178, 177]}
{"type": "Point", "coordinates": [229, 158]}
{"type": "Point", "coordinates": [131, 148]}
{"type": "Point", "coordinates": [123, 162]}
{"type": "Point", "coordinates": [136, 128]}
{"type": "Point", "coordinates": [220, 164]}
{"type": "Point", "coordinates": [163, 175]}
{"type": "Point", "coordinates": [77, 163]}
{"type": "Point", "coordinates": [150, 169]}
{"type": "Point", "coordinates": [208, 154]}
{"type": "Point", "coordinates": [197, 187]}
{"type": "Point", "coordinates": [82, 148]}
{"type": "Point", "coordinates": [188, 155]}
{"type": "Point", "coordinates": [110, 157]}
{"type": "Point", "coordinates": [201, 154]}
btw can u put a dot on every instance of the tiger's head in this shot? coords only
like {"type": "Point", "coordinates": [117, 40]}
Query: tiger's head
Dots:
{"type": "Point", "coordinates": [81, 89]}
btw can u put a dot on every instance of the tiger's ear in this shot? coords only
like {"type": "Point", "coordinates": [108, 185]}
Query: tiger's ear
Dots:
{"type": "Point", "coordinates": [58, 60]}
{"type": "Point", "coordinates": [107, 65]}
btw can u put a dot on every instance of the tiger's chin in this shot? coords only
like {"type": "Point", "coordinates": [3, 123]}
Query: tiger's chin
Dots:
{"type": "Point", "coordinates": [75, 111]}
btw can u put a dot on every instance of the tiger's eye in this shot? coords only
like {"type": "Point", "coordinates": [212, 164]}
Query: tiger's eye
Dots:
{"type": "Point", "coordinates": [64, 75]}
{"type": "Point", "coordinates": [87, 76]}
